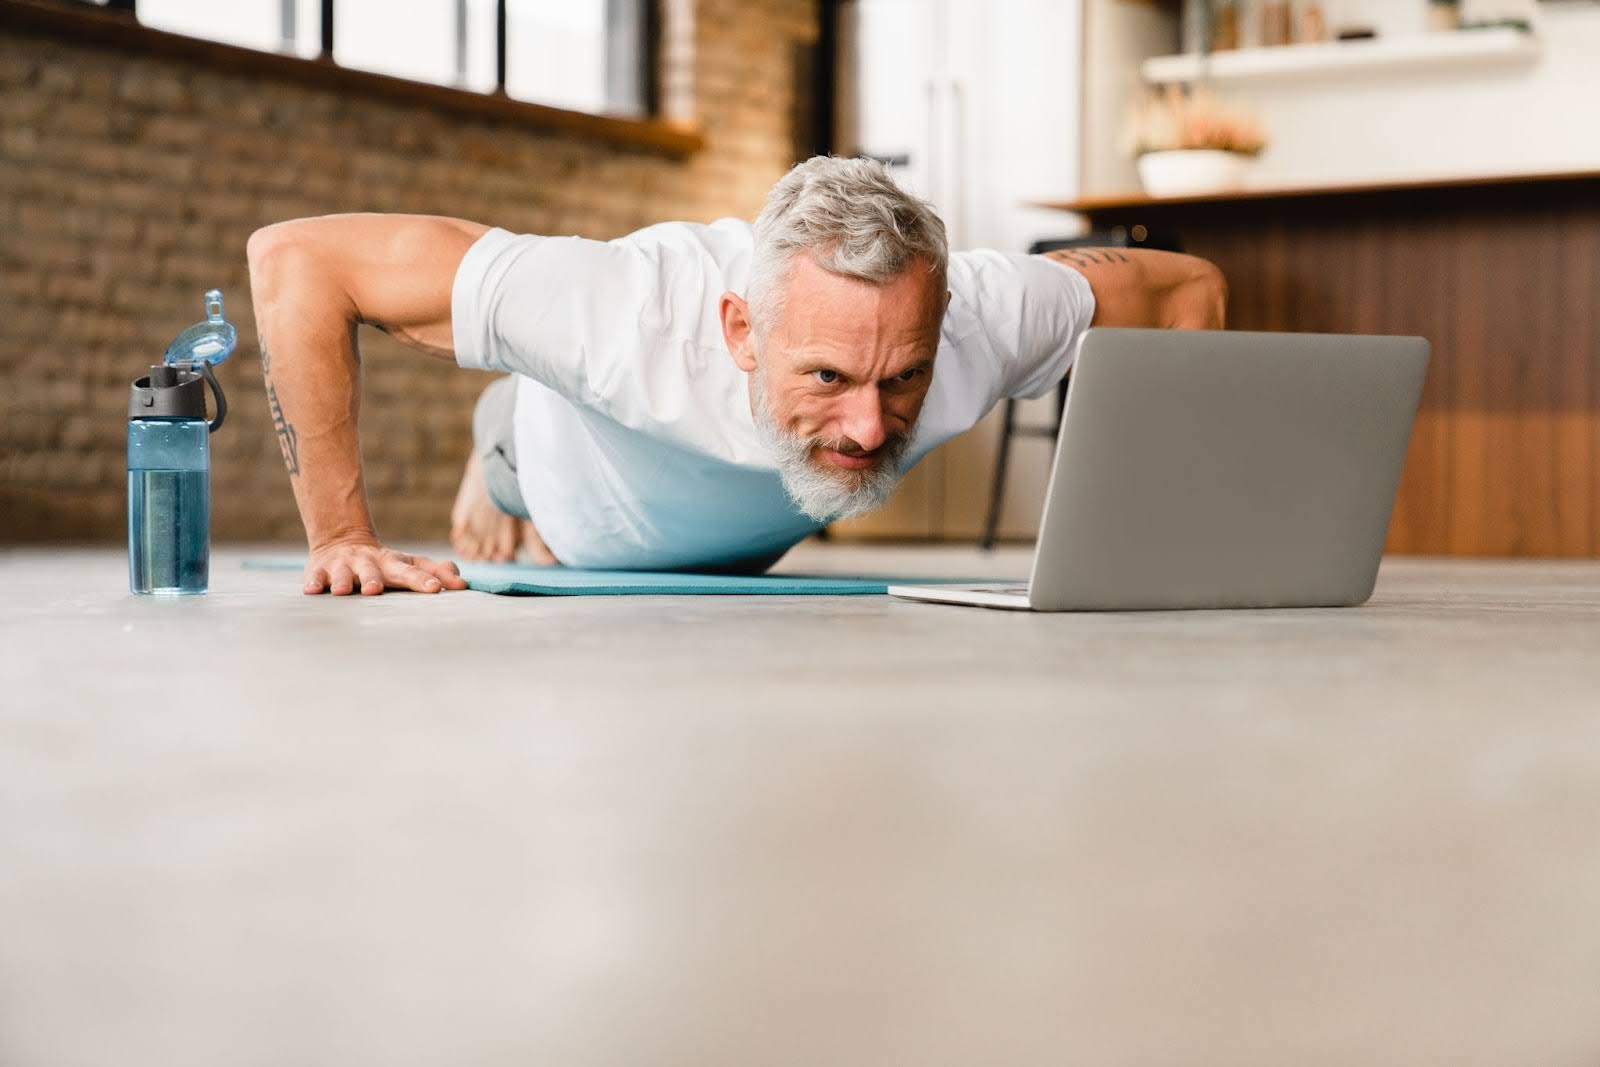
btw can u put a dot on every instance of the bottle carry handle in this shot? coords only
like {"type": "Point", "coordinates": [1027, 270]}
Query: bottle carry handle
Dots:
{"type": "Point", "coordinates": [216, 390]}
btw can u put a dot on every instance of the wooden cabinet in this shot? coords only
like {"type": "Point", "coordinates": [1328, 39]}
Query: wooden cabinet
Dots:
{"type": "Point", "coordinates": [1502, 275]}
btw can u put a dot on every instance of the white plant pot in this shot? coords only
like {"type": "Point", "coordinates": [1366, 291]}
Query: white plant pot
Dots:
{"type": "Point", "coordinates": [1187, 171]}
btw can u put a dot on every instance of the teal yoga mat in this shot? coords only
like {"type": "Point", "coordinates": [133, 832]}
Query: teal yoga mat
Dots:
{"type": "Point", "coordinates": [526, 579]}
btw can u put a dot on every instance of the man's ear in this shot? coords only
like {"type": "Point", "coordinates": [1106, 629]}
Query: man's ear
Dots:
{"type": "Point", "coordinates": [737, 331]}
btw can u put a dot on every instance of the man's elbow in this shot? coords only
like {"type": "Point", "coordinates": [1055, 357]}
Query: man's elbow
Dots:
{"type": "Point", "coordinates": [268, 241]}
{"type": "Point", "coordinates": [280, 257]}
{"type": "Point", "coordinates": [1202, 301]}
{"type": "Point", "coordinates": [265, 251]}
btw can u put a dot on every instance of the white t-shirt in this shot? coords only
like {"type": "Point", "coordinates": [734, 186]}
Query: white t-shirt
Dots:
{"type": "Point", "coordinates": [634, 439]}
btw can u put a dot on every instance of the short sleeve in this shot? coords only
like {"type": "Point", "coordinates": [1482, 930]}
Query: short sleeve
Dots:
{"type": "Point", "coordinates": [1058, 306]}
{"type": "Point", "coordinates": [571, 313]}
{"type": "Point", "coordinates": [1029, 311]}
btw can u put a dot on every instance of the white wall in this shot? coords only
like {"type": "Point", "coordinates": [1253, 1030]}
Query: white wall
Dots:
{"type": "Point", "coordinates": [1023, 76]}
{"type": "Point", "coordinates": [981, 96]}
{"type": "Point", "coordinates": [1377, 125]}
{"type": "Point", "coordinates": [1117, 36]}
{"type": "Point", "coordinates": [1543, 116]}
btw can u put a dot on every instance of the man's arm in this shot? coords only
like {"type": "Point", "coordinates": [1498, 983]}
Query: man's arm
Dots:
{"type": "Point", "coordinates": [1141, 287]}
{"type": "Point", "coordinates": [314, 281]}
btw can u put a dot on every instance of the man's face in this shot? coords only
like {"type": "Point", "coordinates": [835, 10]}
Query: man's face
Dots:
{"type": "Point", "coordinates": [838, 381]}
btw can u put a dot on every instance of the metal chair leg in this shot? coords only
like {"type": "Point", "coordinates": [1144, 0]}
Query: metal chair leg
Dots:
{"type": "Point", "coordinates": [997, 491]}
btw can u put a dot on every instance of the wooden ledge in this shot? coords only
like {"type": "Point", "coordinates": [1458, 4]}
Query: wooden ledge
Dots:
{"type": "Point", "coordinates": [1120, 203]}
{"type": "Point", "coordinates": [81, 24]}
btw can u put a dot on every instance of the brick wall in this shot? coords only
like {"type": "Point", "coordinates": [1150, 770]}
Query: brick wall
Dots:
{"type": "Point", "coordinates": [130, 183]}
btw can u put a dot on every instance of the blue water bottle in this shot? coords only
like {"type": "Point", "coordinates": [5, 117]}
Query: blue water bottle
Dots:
{"type": "Point", "coordinates": [169, 459]}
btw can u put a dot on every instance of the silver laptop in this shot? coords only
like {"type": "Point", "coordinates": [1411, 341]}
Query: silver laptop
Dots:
{"type": "Point", "coordinates": [1218, 470]}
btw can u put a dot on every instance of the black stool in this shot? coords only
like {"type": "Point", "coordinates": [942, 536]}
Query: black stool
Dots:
{"type": "Point", "coordinates": [1121, 237]}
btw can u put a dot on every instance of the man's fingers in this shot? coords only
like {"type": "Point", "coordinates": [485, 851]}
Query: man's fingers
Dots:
{"type": "Point", "coordinates": [316, 581]}
{"type": "Point", "coordinates": [370, 576]}
{"type": "Point", "coordinates": [407, 575]}
{"type": "Point", "coordinates": [341, 579]}
{"type": "Point", "coordinates": [445, 571]}
{"type": "Point", "coordinates": [370, 572]}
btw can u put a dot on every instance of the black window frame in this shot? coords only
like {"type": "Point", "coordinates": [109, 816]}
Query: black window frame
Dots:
{"type": "Point", "coordinates": [632, 48]}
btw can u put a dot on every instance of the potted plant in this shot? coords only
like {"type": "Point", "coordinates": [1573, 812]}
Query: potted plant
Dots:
{"type": "Point", "coordinates": [1188, 142]}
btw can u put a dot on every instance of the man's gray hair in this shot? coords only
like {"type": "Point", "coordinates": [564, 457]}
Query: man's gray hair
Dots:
{"type": "Point", "coordinates": [852, 219]}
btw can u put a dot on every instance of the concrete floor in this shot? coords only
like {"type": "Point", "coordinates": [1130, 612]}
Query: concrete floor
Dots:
{"type": "Point", "coordinates": [264, 829]}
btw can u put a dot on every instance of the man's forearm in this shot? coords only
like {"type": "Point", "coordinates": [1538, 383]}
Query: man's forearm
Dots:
{"type": "Point", "coordinates": [311, 367]}
{"type": "Point", "coordinates": [1141, 287]}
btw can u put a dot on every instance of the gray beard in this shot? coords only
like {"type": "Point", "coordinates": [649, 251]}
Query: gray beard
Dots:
{"type": "Point", "coordinates": [821, 495]}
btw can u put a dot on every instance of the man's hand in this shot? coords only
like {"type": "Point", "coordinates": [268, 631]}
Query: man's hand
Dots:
{"type": "Point", "coordinates": [365, 566]}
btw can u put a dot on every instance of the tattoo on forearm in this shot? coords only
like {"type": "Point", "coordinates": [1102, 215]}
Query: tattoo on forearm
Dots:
{"type": "Point", "coordinates": [287, 441]}
{"type": "Point", "coordinates": [266, 360]}
{"type": "Point", "coordinates": [1086, 257]}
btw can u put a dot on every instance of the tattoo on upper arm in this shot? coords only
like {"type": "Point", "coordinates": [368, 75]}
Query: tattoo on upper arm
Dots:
{"type": "Point", "coordinates": [266, 360]}
{"type": "Point", "coordinates": [287, 440]}
{"type": "Point", "coordinates": [1087, 257]}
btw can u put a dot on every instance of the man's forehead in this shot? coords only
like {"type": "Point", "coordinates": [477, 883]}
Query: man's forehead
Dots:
{"type": "Point", "coordinates": [818, 301]}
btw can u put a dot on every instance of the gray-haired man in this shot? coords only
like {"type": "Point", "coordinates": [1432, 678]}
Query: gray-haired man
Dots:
{"type": "Point", "coordinates": [688, 396]}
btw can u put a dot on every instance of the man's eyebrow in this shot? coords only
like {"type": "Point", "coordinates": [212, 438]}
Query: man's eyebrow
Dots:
{"type": "Point", "coordinates": [925, 364]}
{"type": "Point", "coordinates": [811, 366]}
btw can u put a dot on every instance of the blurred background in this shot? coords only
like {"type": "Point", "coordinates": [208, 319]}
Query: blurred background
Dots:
{"type": "Point", "coordinates": [1387, 166]}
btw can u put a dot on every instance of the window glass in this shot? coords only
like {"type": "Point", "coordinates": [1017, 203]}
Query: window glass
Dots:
{"type": "Point", "coordinates": [413, 39]}
{"type": "Point", "coordinates": [555, 53]}
{"type": "Point", "coordinates": [251, 23]}
{"type": "Point", "coordinates": [556, 50]}
{"type": "Point", "coordinates": [308, 28]}
{"type": "Point", "coordinates": [480, 73]}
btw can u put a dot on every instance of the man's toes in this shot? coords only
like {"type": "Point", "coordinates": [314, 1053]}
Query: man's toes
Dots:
{"type": "Point", "coordinates": [537, 550]}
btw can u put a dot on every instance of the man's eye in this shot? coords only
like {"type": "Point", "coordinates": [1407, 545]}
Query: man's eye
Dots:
{"type": "Point", "coordinates": [909, 376]}
{"type": "Point", "coordinates": [827, 377]}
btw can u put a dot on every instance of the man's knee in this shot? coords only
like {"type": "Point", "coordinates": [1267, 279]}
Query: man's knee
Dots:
{"type": "Point", "coordinates": [494, 441]}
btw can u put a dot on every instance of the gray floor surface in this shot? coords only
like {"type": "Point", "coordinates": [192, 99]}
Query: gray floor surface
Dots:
{"type": "Point", "coordinates": [263, 828]}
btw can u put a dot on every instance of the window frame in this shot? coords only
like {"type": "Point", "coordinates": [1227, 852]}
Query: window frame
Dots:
{"type": "Point", "coordinates": [115, 25]}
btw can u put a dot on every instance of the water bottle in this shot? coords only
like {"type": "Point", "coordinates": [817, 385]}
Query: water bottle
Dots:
{"type": "Point", "coordinates": [169, 459]}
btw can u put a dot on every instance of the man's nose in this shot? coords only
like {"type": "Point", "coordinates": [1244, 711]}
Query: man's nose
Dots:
{"type": "Point", "coordinates": [863, 419]}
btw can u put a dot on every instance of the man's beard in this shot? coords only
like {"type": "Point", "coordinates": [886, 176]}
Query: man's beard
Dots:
{"type": "Point", "coordinates": [820, 494]}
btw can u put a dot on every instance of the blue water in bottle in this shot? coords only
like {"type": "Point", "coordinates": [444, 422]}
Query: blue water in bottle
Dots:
{"type": "Point", "coordinates": [169, 459]}
{"type": "Point", "coordinates": [169, 505]}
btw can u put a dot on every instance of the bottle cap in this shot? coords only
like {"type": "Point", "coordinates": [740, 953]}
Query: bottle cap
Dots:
{"type": "Point", "coordinates": [211, 341]}
{"type": "Point", "coordinates": [168, 393]}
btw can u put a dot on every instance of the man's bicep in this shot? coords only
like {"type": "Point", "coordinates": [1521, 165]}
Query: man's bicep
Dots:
{"type": "Point", "coordinates": [396, 271]}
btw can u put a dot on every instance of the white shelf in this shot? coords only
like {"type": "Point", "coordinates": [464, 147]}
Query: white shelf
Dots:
{"type": "Point", "coordinates": [1335, 58]}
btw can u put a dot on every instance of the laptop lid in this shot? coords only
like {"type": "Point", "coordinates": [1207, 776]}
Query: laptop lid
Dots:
{"type": "Point", "coordinates": [1215, 469]}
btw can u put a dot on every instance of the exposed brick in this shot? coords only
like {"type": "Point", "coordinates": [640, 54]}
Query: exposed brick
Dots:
{"type": "Point", "coordinates": [128, 184]}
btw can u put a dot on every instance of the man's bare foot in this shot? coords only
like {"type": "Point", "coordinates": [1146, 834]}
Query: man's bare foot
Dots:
{"type": "Point", "coordinates": [481, 531]}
